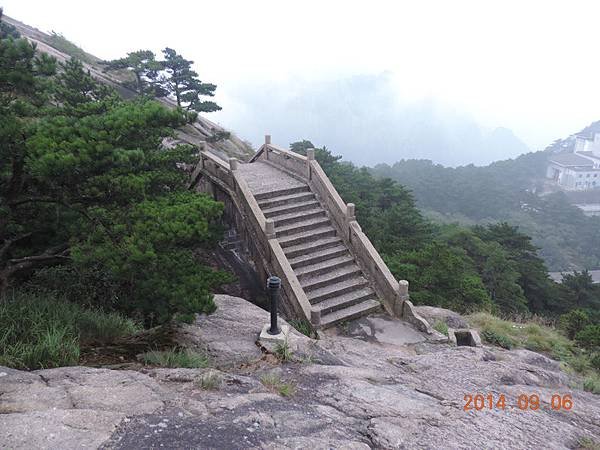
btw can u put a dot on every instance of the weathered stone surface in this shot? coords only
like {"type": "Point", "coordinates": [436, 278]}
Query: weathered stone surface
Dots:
{"type": "Point", "coordinates": [349, 393]}
{"type": "Point", "coordinates": [230, 334]}
{"type": "Point", "coordinates": [432, 315]}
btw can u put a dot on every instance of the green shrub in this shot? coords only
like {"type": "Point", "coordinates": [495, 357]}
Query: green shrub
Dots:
{"type": "Point", "coordinates": [595, 361]}
{"type": "Point", "coordinates": [42, 330]}
{"type": "Point", "coordinates": [441, 327]}
{"type": "Point", "coordinates": [495, 338]}
{"type": "Point", "coordinates": [573, 322]}
{"type": "Point", "coordinates": [175, 357]}
{"type": "Point", "coordinates": [592, 384]}
{"type": "Point", "coordinates": [579, 363]}
{"type": "Point", "coordinates": [531, 335]}
{"type": "Point", "coordinates": [589, 337]}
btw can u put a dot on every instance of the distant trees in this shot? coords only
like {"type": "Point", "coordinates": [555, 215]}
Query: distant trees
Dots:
{"type": "Point", "coordinates": [493, 267]}
{"type": "Point", "coordinates": [173, 77]}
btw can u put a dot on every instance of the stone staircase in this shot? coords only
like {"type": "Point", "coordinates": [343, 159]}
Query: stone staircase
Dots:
{"type": "Point", "coordinates": [327, 272]}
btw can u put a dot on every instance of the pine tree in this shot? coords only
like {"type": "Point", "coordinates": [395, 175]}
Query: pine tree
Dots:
{"type": "Point", "coordinates": [181, 81]}
{"type": "Point", "coordinates": [144, 66]}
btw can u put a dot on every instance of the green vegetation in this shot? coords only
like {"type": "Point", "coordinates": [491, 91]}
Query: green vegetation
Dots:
{"type": "Point", "coordinates": [504, 191]}
{"type": "Point", "coordinates": [488, 270]}
{"type": "Point", "coordinates": [283, 352]}
{"type": "Point", "coordinates": [175, 357]}
{"type": "Point", "coordinates": [303, 326]}
{"type": "Point", "coordinates": [172, 77]}
{"type": "Point", "coordinates": [42, 329]}
{"type": "Point", "coordinates": [94, 211]}
{"type": "Point", "coordinates": [62, 44]}
{"type": "Point", "coordinates": [592, 384]}
{"type": "Point", "coordinates": [530, 335]}
{"type": "Point", "coordinates": [273, 382]}
{"type": "Point", "coordinates": [441, 327]}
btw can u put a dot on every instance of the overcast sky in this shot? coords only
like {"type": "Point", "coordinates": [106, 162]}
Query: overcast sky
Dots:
{"type": "Point", "coordinates": [531, 66]}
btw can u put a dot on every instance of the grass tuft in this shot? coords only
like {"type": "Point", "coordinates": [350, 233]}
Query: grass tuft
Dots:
{"type": "Point", "coordinates": [42, 330]}
{"type": "Point", "coordinates": [273, 382]}
{"type": "Point", "coordinates": [441, 327]}
{"type": "Point", "coordinates": [175, 357]}
{"type": "Point", "coordinates": [283, 352]}
{"type": "Point", "coordinates": [303, 326]}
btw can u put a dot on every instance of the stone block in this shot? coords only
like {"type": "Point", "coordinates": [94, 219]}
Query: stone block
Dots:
{"type": "Point", "coordinates": [280, 338]}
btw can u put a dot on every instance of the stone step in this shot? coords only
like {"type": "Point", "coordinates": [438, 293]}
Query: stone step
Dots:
{"type": "Point", "coordinates": [324, 267]}
{"type": "Point", "coordinates": [307, 236]}
{"type": "Point", "coordinates": [336, 289]}
{"type": "Point", "coordinates": [352, 312]}
{"type": "Point", "coordinates": [281, 192]}
{"type": "Point", "coordinates": [317, 256]}
{"type": "Point", "coordinates": [345, 300]}
{"type": "Point", "coordinates": [327, 279]}
{"type": "Point", "coordinates": [286, 200]}
{"type": "Point", "coordinates": [301, 226]}
{"type": "Point", "coordinates": [294, 207]}
{"type": "Point", "coordinates": [295, 216]}
{"type": "Point", "coordinates": [312, 247]}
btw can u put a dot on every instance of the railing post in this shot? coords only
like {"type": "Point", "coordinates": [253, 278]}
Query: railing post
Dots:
{"type": "Point", "coordinates": [315, 317]}
{"type": "Point", "coordinates": [401, 296]}
{"type": "Point", "coordinates": [233, 163]}
{"type": "Point", "coordinates": [267, 143]}
{"type": "Point", "coordinates": [310, 156]}
{"type": "Point", "coordinates": [270, 228]}
{"type": "Point", "coordinates": [350, 212]}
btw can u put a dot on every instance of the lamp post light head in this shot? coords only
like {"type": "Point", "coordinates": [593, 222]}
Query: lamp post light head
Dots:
{"type": "Point", "coordinates": [273, 282]}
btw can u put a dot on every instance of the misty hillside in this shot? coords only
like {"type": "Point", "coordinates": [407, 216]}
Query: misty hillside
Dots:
{"type": "Point", "coordinates": [362, 118]}
{"type": "Point", "coordinates": [507, 191]}
{"type": "Point", "coordinates": [202, 130]}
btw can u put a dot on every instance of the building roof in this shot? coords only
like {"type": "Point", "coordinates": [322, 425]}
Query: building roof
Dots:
{"type": "Point", "coordinates": [589, 155]}
{"type": "Point", "coordinates": [571, 160]}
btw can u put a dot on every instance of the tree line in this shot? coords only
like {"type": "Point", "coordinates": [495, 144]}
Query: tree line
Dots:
{"type": "Point", "coordinates": [493, 267]}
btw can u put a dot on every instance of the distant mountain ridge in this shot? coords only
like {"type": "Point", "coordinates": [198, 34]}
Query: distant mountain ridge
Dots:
{"type": "Point", "coordinates": [361, 118]}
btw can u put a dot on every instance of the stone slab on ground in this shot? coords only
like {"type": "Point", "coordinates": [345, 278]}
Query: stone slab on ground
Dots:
{"type": "Point", "coordinates": [350, 393]}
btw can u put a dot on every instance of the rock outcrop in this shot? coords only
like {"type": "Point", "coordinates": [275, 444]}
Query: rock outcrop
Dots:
{"type": "Point", "coordinates": [343, 392]}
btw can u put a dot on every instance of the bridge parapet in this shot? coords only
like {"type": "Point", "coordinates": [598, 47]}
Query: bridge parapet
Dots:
{"type": "Point", "coordinates": [270, 251]}
{"type": "Point", "coordinates": [266, 235]}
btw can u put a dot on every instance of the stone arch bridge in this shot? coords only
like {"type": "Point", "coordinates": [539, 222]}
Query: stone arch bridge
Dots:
{"type": "Point", "coordinates": [294, 225]}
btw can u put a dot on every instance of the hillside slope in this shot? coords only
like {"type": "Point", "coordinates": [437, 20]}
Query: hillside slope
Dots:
{"type": "Point", "coordinates": [201, 130]}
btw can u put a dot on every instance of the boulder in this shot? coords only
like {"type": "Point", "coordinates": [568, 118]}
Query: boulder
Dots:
{"type": "Point", "coordinates": [433, 314]}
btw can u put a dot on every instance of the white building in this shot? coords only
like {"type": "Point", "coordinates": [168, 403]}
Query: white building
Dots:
{"type": "Point", "coordinates": [579, 170]}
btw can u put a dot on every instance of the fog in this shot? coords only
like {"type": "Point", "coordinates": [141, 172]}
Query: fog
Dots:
{"type": "Point", "coordinates": [457, 82]}
{"type": "Point", "coordinates": [361, 118]}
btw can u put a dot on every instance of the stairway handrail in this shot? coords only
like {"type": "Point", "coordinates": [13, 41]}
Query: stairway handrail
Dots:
{"type": "Point", "coordinates": [276, 256]}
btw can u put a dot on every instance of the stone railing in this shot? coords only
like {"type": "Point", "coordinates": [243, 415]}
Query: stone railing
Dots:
{"type": "Point", "coordinates": [216, 167]}
{"type": "Point", "coordinates": [263, 228]}
{"type": "Point", "coordinates": [393, 293]}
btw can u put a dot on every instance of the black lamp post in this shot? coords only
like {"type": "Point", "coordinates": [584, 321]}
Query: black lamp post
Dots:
{"type": "Point", "coordinates": [273, 286]}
